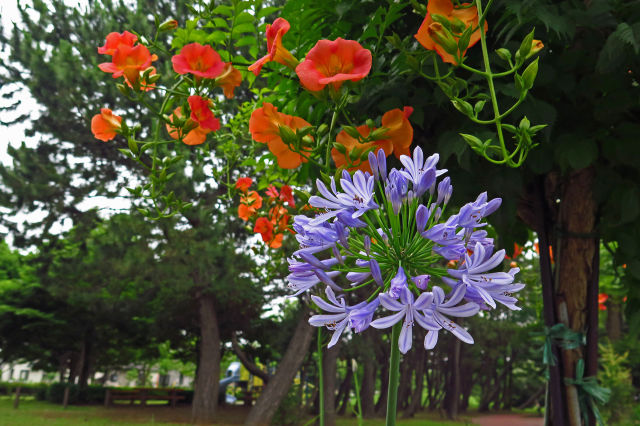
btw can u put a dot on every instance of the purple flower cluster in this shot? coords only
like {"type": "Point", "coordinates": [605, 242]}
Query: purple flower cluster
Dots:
{"type": "Point", "coordinates": [386, 235]}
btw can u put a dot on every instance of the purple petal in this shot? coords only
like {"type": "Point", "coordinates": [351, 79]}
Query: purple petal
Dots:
{"type": "Point", "coordinates": [466, 310]}
{"type": "Point", "coordinates": [390, 303]}
{"type": "Point", "coordinates": [424, 301]}
{"type": "Point", "coordinates": [326, 320]}
{"type": "Point", "coordinates": [406, 337]}
{"type": "Point", "coordinates": [386, 322]}
{"type": "Point", "coordinates": [336, 334]}
{"type": "Point", "coordinates": [322, 304]}
{"type": "Point", "coordinates": [431, 339]}
{"type": "Point", "coordinates": [455, 297]}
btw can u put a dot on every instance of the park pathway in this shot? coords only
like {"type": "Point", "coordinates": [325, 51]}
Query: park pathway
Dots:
{"type": "Point", "coordinates": [507, 420]}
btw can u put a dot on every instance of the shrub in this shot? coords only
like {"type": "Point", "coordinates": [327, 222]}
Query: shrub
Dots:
{"type": "Point", "coordinates": [77, 395]}
{"type": "Point", "coordinates": [35, 389]}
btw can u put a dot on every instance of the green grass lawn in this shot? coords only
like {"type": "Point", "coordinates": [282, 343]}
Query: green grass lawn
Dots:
{"type": "Point", "coordinates": [38, 413]}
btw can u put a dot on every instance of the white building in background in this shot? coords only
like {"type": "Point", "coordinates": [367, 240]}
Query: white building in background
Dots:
{"type": "Point", "coordinates": [23, 373]}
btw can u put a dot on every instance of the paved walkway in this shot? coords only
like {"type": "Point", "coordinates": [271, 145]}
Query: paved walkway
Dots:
{"type": "Point", "coordinates": [507, 420]}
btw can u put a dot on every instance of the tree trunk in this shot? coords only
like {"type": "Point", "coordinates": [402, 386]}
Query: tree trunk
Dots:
{"type": "Point", "coordinates": [576, 250]}
{"type": "Point", "coordinates": [381, 405]}
{"type": "Point", "coordinates": [205, 396]}
{"type": "Point", "coordinates": [368, 388]}
{"type": "Point", "coordinates": [274, 393]}
{"type": "Point", "coordinates": [344, 394]}
{"type": "Point", "coordinates": [614, 320]}
{"type": "Point", "coordinates": [248, 364]}
{"type": "Point", "coordinates": [87, 353]}
{"type": "Point", "coordinates": [453, 399]}
{"type": "Point", "coordinates": [329, 370]}
{"type": "Point", "coordinates": [416, 396]}
{"type": "Point", "coordinates": [404, 386]}
{"type": "Point", "coordinates": [538, 211]}
{"type": "Point", "coordinates": [74, 365]}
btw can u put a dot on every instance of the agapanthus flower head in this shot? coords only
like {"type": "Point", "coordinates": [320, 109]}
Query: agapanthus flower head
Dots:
{"type": "Point", "coordinates": [391, 237]}
{"type": "Point", "coordinates": [334, 62]}
{"type": "Point", "coordinates": [276, 51]}
{"type": "Point", "coordinates": [202, 61]}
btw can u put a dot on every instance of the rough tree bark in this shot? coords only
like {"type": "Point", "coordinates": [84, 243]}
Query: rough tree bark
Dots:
{"type": "Point", "coordinates": [329, 370]}
{"type": "Point", "coordinates": [205, 396]}
{"type": "Point", "coordinates": [614, 320]}
{"type": "Point", "coordinates": [344, 393]}
{"type": "Point", "coordinates": [367, 391]}
{"type": "Point", "coordinates": [86, 353]}
{"type": "Point", "coordinates": [576, 249]}
{"type": "Point", "coordinates": [453, 390]}
{"type": "Point", "coordinates": [416, 396]}
{"type": "Point", "coordinates": [272, 396]}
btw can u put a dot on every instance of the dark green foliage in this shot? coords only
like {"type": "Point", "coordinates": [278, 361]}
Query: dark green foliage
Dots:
{"type": "Point", "coordinates": [77, 395]}
{"type": "Point", "coordinates": [36, 389]}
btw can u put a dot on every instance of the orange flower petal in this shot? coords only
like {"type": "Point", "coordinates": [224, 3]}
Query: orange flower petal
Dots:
{"type": "Point", "coordinates": [264, 125]}
{"type": "Point", "coordinates": [106, 125]}
{"type": "Point", "coordinates": [334, 62]}
{"type": "Point", "coordinates": [400, 131]}
{"type": "Point", "coordinates": [115, 40]}
{"type": "Point", "coordinates": [244, 183]}
{"type": "Point", "coordinates": [199, 60]}
{"type": "Point", "coordinates": [196, 136]}
{"type": "Point", "coordinates": [468, 15]}
{"type": "Point", "coordinates": [229, 80]}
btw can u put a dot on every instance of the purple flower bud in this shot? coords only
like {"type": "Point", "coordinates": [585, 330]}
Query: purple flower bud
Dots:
{"type": "Point", "coordinates": [373, 163]}
{"type": "Point", "coordinates": [336, 254]}
{"type": "Point", "coordinates": [357, 277]}
{"type": "Point", "coordinates": [422, 216]}
{"type": "Point", "coordinates": [398, 283]}
{"type": "Point", "coordinates": [382, 164]}
{"type": "Point", "coordinates": [444, 190]}
{"type": "Point", "coordinates": [342, 233]}
{"type": "Point", "coordinates": [426, 182]}
{"type": "Point", "coordinates": [437, 214]}
{"type": "Point", "coordinates": [375, 272]}
{"type": "Point", "coordinates": [421, 281]}
{"type": "Point", "coordinates": [367, 245]}
{"type": "Point", "coordinates": [322, 276]}
{"type": "Point", "coordinates": [312, 260]}
{"type": "Point", "coordinates": [492, 206]}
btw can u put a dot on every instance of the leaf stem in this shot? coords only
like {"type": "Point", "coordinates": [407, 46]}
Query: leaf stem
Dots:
{"type": "Point", "coordinates": [489, 77]}
{"type": "Point", "coordinates": [320, 379]}
{"type": "Point", "coordinates": [394, 375]}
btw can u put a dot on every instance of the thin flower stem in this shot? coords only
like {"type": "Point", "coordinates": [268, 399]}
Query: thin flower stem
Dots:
{"type": "Point", "coordinates": [358, 286]}
{"type": "Point", "coordinates": [328, 153]}
{"type": "Point", "coordinates": [357, 386]}
{"type": "Point", "coordinates": [374, 295]}
{"type": "Point", "coordinates": [320, 379]}
{"type": "Point", "coordinates": [489, 77]}
{"type": "Point", "coordinates": [394, 375]}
